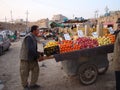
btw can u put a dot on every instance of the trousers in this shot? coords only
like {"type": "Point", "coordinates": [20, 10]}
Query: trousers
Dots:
{"type": "Point", "coordinates": [25, 68]}
{"type": "Point", "coordinates": [117, 77]}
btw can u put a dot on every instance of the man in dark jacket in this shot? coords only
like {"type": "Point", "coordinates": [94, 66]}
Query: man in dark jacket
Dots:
{"type": "Point", "coordinates": [29, 57]}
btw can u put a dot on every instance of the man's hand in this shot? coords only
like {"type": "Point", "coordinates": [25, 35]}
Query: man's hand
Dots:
{"type": "Point", "coordinates": [41, 58]}
{"type": "Point", "coordinates": [45, 58]}
{"type": "Point", "coordinates": [41, 53]}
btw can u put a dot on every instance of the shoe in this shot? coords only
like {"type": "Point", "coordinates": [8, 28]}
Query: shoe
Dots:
{"type": "Point", "coordinates": [26, 88]}
{"type": "Point", "coordinates": [35, 86]}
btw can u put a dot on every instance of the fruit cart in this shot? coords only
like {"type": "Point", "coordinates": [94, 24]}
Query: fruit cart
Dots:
{"type": "Point", "coordinates": [86, 63]}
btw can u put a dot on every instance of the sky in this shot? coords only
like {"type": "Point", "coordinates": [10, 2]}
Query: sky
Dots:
{"type": "Point", "coordinates": [39, 9]}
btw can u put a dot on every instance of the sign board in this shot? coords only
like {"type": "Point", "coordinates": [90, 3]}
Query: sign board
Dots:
{"type": "Point", "coordinates": [80, 33]}
{"type": "Point", "coordinates": [94, 34]}
{"type": "Point", "coordinates": [110, 30]}
{"type": "Point", "coordinates": [67, 36]}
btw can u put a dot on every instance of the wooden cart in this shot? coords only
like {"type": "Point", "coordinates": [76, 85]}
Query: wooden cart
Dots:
{"type": "Point", "coordinates": [87, 63]}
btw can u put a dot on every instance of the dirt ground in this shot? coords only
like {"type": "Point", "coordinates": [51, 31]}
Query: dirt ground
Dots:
{"type": "Point", "coordinates": [51, 77]}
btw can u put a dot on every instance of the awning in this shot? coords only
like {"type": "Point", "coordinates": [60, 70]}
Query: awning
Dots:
{"type": "Point", "coordinates": [109, 23]}
{"type": "Point", "coordinates": [75, 21]}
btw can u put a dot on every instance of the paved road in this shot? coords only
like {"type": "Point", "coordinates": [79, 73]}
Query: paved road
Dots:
{"type": "Point", "coordinates": [52, 77]}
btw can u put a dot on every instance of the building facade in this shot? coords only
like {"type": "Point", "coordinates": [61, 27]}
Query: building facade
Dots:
{"type": "Point", "coordinates": [41, 23]}
{"type": "Point", "coordinates": [110, 19]}
{"type": "Point", "coordinates": [58, 18]}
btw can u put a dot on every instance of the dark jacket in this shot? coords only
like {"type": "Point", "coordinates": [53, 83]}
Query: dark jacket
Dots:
{"type": "Point", "coordinates": [116, 55]}
{"type": "Point", "coordinates": [29, 48]}
{"type": "Point", "coordinates": [116, 33]}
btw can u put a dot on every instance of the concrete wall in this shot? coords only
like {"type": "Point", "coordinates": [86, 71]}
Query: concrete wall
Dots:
{"type": "Point", "coordinates": [12, 26]}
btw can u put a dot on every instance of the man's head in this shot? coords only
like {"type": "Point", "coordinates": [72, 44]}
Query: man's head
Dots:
{"type": "Point", "coordinates": [118, 26]}
{"type": "Point", "coordinates": [35, 30]}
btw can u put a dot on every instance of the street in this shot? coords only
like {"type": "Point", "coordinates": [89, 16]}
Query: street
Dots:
{"type": "Point", "coordinates": [51, 76]}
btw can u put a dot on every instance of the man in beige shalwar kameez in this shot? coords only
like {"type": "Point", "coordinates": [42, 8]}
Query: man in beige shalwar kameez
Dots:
{"type": "Point", "coordinates": [116, 59]}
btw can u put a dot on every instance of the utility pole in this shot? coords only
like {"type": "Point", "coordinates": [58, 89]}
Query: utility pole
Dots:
{"type": "Point", "coordinates": [106, 9]}
{"type": "Point", "coordinates": [5, 22]}
{"type": "Point", "coordinates": [27, 17]}
{"type": "Point", "coordinates": [11, 16]}
{"type": "Point", "coordinates": [73, 16]}
{"type": "Point", "coordinates": [106, 12]}
{"type": "Point", "coordinates": [5, 19]}
{"type": "Point", "coordinates": [96, 14]}
{"type": "Point", "coordinates": [27, 20]}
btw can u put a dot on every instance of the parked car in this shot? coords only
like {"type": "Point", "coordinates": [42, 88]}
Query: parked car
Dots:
{"type": "Point", "coordinates": [22, 34]}
{"type": "Point", "coordinates": [9, 34]}
{"type": "Point", "coordinates": [4, 44]}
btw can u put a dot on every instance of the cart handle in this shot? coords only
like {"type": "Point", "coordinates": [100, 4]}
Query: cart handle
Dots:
{"type": "Point", "coordinates": [47, 57]}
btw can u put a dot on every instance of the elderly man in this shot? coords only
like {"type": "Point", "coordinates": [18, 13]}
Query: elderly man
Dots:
{"type": "Point", "coordinates": [116, 59]}
{"type": "Point", "coordinates": [29, 57]}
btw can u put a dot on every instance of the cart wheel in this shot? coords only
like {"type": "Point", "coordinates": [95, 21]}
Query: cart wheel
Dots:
{"type": "Point", "coordinates": [88, 74]}
{"type": "Point", "coordinates": [102, 70]}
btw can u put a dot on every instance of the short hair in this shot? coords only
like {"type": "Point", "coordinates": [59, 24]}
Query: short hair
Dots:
{"type": "Point", "coordinates": [118, 20]}
{"type": "Point", "coordinates": [118, 24]}
{"type": "Point", "coordinates": [34, 27]}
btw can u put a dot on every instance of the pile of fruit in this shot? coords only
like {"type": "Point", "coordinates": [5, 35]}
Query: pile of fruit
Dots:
{"type": "Point", "coordinates": [111, 37]}
{"type": "Point", "coordinates": [51, 48]}
{"type": "Point", "coordinates": [51, 44]}
{"type": "Point", "coordinates": [80, 43]}
{"type": "Point", "coordinates": [107, 39]}
{"type": "Point", "coordinates": [103, 40]}
{"type": "Point", "coordinates": [86, 42]}
{"type": "Point", "coordinates": [68, 45]}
